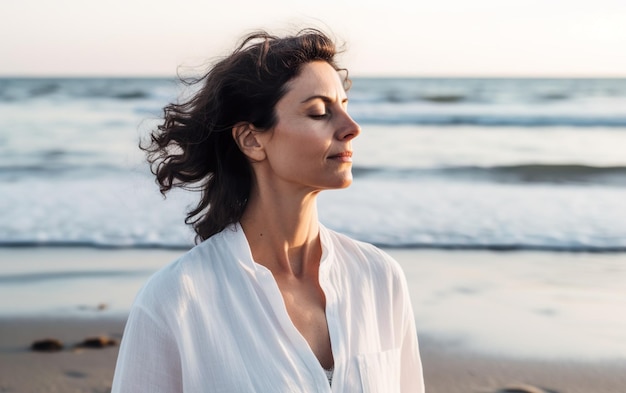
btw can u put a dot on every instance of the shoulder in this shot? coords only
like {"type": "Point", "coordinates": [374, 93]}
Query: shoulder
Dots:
{"type": "Point", "coordinates": [202, 266]}
{"type": "Point", "coordinates": [369, 275]}
{"type": "Point", "coordinates": [363, 256]}
{"type": "Point", "coordinates": [168, 282]}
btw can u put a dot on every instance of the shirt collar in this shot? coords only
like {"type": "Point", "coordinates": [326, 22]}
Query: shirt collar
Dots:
{"type": "Point", "coordinates": [233, 234]}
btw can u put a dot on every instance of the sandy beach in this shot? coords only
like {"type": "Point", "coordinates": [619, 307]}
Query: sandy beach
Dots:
{"type": "Point", "coordinates": [455, 359]}
{"type": "Point", "coordinates": [69, 370]}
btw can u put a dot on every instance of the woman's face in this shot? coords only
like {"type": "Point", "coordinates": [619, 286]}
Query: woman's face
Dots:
{"type": "Point", "coordinates": [310, 145]}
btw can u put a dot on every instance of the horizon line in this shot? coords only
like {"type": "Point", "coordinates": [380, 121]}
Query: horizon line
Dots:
{"type": "Point", "coordinates": [352, 76]}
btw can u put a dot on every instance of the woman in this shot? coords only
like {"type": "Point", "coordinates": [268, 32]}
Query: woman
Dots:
{"type": "Point", "coordinates": [269, 300]}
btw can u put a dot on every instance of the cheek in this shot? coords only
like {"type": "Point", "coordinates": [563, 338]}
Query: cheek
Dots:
{"type": "Point", "coordinates": [303, 143]}
{"type": "Point", "coordinates": [298, 156]}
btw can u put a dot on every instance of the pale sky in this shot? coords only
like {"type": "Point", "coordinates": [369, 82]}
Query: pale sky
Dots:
{"type": "Point", "coordinates": [384, 38]}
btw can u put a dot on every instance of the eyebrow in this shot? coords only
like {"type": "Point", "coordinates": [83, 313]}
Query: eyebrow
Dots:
{"type": "Point", "coordinates": [323, 98]}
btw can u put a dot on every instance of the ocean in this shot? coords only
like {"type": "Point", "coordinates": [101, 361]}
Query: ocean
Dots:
{"type": "Point", "coordinates": [441, 163]}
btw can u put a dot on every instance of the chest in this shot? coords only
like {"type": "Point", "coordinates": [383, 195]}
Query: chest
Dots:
{"type": "Point", "coordinates": [275, 337]}
{"type": "Point", "coordinates": [306, 307]}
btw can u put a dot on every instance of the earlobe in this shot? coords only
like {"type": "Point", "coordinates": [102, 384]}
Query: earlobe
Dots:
{"type": "Point", "coordinates": [245, 135]}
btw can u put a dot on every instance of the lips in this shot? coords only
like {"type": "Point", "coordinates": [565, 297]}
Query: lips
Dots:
{"type": "Point", "coordinates": [343, 156]}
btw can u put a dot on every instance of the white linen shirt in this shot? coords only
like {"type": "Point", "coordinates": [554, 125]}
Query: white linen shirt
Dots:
{"type": "Point", "coordinates": [215, 321]}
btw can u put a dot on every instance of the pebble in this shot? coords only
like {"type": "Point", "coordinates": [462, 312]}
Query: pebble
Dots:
{"type": "Point", "coordinates": [47, 345]}
{"type": "Point", "coordinates": [97, 342]}
{"type": "Point", "coordinates": [523, 389]}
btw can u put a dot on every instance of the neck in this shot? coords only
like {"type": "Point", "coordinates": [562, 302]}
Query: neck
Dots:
{"type": "Point", "coordinates": [283, 231]}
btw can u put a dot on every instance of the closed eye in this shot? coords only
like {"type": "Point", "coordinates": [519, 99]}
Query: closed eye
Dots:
{"type": "Point", "coordinates": [319, 117]}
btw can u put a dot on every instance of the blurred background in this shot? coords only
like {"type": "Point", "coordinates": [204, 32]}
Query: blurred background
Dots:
{"type": "Point", "coordinates": [487, 125]}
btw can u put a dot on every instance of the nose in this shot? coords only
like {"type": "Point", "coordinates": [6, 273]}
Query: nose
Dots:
{"type": "Point", "coordinates": [349, 128]}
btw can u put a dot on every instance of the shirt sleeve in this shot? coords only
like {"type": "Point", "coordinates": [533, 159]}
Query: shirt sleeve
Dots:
{"type": "Point", "coordinates": [411, 375]}
{"type": "Point", "coordinates": [148, 360]}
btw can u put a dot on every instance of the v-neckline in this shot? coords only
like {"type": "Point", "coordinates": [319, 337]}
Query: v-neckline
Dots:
{"type": "Point", "coordinates": [274, 296]}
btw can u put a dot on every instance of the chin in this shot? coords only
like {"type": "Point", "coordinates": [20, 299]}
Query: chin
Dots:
{"type": "Point", "coordinates": [344, 183]}
{"type": "Point", "coordinates": [336, 182]}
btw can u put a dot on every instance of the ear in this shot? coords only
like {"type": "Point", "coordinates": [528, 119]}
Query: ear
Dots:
{"type": "Point", "coordinates": [245, 135]}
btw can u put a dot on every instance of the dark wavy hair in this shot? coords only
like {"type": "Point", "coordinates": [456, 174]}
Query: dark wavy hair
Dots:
{"type": "Point", "coordinates": [194, 148]}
